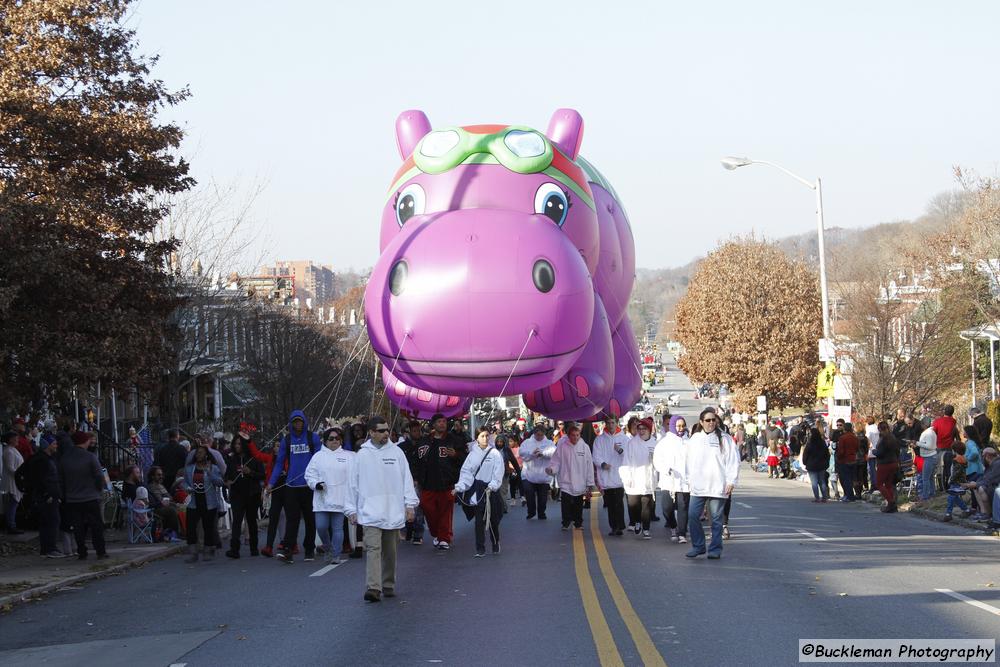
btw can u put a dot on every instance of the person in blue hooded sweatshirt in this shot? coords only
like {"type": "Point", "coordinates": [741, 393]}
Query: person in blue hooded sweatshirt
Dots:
{"type": "Point", "coordinates": [297, 448]}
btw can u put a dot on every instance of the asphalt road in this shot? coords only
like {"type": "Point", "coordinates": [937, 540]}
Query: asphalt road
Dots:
{"type": "Point", "coordinates": [793, 569]}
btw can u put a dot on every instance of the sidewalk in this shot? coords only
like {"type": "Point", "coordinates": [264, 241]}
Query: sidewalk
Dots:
{"type": "Point", "coordinates": [934, 511]}
{"type": "Point", "coordinates": [25, 575]}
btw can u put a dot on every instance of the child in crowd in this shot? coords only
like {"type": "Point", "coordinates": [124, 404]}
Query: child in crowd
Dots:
{"type": "Point", "coordinates": [773, 459]}
{"type": "Point", "coordinates": [139, 506]}
{"type": "Point", "coordinates": [832, 478]}
{"type": "Point", "coordinates": [957, 479]}
{"type": "Point", "coordinates": [786, 459]}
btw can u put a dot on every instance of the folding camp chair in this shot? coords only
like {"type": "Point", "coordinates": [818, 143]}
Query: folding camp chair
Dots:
{"type": "Point", "coordinates": [140, 523]}
{"type": "Point", "coordinates": [908, 486]}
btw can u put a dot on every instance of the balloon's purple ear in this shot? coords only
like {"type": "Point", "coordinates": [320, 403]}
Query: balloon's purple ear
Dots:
{"type": "Point", "coordinates": [411, 126]}
{"type": "Point", "coordinates": [566, 131]}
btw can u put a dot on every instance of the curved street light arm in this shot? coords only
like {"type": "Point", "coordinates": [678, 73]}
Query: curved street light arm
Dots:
{"type": "Point", "coordinates": [809, 184]}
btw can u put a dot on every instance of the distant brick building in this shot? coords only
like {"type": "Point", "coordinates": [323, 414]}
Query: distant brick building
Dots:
{"type": "Point", "coordinates": [313, 283]}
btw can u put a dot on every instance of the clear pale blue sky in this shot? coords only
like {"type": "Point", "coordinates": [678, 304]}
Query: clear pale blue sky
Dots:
{"type": "Point", "coordinates": [880, 99]}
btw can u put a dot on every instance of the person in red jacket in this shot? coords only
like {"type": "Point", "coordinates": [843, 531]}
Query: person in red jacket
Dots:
{"type": "Point", "coordinates": [847, 461]}
{"type": "Point", "coordinates": [946, 429]}
{"type": "Point", "coordinates": [23, 445]}
{"type": "Point", "coordinates": [277, 494]}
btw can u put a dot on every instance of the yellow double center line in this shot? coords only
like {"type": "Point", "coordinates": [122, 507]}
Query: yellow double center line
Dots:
{"type": "Point", "coordinates": [607, 650]}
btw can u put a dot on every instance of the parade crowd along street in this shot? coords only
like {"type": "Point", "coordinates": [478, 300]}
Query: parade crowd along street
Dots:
{"type": "Point", "coordinates": [362, 487]}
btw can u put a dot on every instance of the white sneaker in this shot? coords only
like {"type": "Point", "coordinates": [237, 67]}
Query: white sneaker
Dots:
{"type": "Point", "coordinates": [646, 535]}
{"type": "Point", "coordinates": [637, 528]}
{"type": "Point", "coordinates": [681, 539]}
{"type": "Point", "coordinates": [673, 534]}
{"type": "Point", "coordinates": [436, 542]}
{"type": "Point", "coordinates": [444, 546]}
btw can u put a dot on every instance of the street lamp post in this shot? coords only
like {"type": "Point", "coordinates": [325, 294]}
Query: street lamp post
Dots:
{"type": "Point", "coordinates": [817, 186]}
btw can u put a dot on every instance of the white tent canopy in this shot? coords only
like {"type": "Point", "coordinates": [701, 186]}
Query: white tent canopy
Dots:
{"type": "Point", "coordinates": [992, 334]}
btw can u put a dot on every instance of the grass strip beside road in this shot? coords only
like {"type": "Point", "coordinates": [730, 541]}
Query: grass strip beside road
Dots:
{"type": "Point", "coordinates": [643, 642]}
{"type": "Point", "coordinates": [607, 651]}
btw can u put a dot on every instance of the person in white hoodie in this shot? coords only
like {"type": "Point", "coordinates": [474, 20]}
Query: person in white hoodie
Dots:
{"type": "Point", "coordinates": [670, 461]}
{"type": "Point", "coordinates": [639, 477]}
{"type": "Point", "coordinates": [484, 464]}
{"type": "Point", "coordinates": [328, 475]}
{"type": "Point", "coordinates": [573, 466]}
{"type": "Point", "coordinates": [381, 498]}
{"type": "Point", "coordinates": [536, 454]}
{"type": "Point", "coordinates": [713, 468]}
{"type": "Point", "coordinates": [609, 450]}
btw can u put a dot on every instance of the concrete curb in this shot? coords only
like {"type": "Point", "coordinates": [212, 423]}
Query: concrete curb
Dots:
{"type": "Point", "coordinates": [10, 601]}
{"type": "Point", "coordinates": [939, 517]}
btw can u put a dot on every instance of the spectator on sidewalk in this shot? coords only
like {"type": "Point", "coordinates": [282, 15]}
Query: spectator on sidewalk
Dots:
{"type": "Point", "coordinates": [847, 461]}
{"type": "Point", "coordinates": [171, 457]}
{"type": "Point", "coordinates": [381, 499]}
{"type": "Point", "coordinates": [816, 459]}
{"type": "Point", "coordinates": [956, 484]}
{"type": "Point", "coordinates": [946, 429]}
{"type": "Point", "coordinates": [163, 506]}
{"type": "Point", "coordinates": [204, 481]}
{"type": "Point", "coordinates": [983, 426]}
{"type": "Point", "coordinates": [928, 448]}
{"type": "Point", "coordinates": [985, 489]}
{"type": "Point", "coordinates": [24, 444]}
{"type": "Point", "coordinates": [46, 490]}
{"type": "Point", "coordinates": [83, 482]}
{"type": "Point", "coordinates": [886, 456]}
{"type": "Point", "coordinates": [10, 462]}
{"type": "Point", "coordinates": [132, 481]}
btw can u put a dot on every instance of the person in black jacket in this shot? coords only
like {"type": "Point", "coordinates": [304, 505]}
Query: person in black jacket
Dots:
{"type": "Point", "coordinates": [511, 471]}
{"type": "Point", "coordinates": [244, 475]}
{"type": "Point", "coordinates": [83, 483]}
{"type": "Point", "coordinates": [171, 457]}
{"type": "Point", "coordinates": [886, 464]}
{"type": "Point", "coordinates": [46, 492]}
{"type": "Point", "coordinates": [816, 460]}
{"type": "Point", "coordinates": [439, 459]}
{"type": "Point", "coordinates": [415, 528]}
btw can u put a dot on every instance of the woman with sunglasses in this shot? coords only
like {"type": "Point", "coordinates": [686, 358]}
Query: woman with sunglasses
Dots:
{"type": "Point", "coordinates": [328, 475]}
{"type": "Point", "coordinates": [713, 466]}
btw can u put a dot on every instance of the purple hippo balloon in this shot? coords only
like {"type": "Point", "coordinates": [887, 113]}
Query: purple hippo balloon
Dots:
{"type": "Point", "coordinates": [507, 264]}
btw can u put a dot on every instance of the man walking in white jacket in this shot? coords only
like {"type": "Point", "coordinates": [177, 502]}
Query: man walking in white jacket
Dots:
{"type": "Point", "coordinates": [713, 468]}
{"type": "Point", "coordinates": [536, 454]}
{"type": "Point", "coordinates": [609, 448]}
{"type": "Point", "coordinates": [381, 498]}
{"type": "Point", "coordinates": [573, 466]}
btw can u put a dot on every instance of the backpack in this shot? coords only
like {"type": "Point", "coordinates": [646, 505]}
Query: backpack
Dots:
{"type": "Point", "coordinates": [21, 478]}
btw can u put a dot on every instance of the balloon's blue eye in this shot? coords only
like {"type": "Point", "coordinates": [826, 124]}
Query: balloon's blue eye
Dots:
{"type": "Point", "coordinates": [552, 202]}
{"type": "Point", "coordinates": [409, 202]}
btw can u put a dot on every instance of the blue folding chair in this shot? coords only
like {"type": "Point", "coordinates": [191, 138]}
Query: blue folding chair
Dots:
{"type": "Point", "coordinates": [137, 530]}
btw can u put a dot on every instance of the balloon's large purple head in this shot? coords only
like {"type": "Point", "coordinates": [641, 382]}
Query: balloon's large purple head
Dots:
{"type": "Point", "coordinates": [489, 240]}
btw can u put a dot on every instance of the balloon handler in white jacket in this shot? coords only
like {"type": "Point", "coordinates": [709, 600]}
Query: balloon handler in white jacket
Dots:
{"type": "Point", "coordinates": [573, 466]}
{"type": "Point", "coordinates": [482, 473]}
{"type": "Point", "coordinates": [382, 499]}
{"type": "Point", "coordinates": [329, 475]}
{"type": "Point", "coordinates": [713, 468]}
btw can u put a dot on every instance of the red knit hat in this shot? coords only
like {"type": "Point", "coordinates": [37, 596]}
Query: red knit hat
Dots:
{"type": "Point", "coordinates": [648, 423]}
{"type": "Point", "coordinates": [80, 437]}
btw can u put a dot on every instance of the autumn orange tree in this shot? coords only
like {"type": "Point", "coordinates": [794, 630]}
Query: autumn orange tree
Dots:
{"type": "Point", "coordinates": [83, 165]}
{"type": "Point", "coordinates": [751, 319]}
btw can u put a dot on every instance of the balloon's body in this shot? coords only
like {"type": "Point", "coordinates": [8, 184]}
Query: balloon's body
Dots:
{"type": "Point", "coordinates": [507, 264]}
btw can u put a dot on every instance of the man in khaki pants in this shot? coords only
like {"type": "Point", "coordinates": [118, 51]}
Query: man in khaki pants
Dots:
{"type": "Point", "coordinates": [381, 498]}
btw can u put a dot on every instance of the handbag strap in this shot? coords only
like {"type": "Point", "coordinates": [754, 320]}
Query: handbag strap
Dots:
{"type": "Point", "coordinates": [481, 462]}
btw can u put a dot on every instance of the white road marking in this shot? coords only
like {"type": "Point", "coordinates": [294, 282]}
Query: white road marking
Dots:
{"type": "Point", "coordinates": [179, 664]}
{"type": "Point", "coordinates": [744, 505]}
{"type": "Point", "coordinates": [328, 568]}
{"type": "Point", "coordinates": [974, 603]}
{"type": "Point", "coordinates": [812, 535]}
